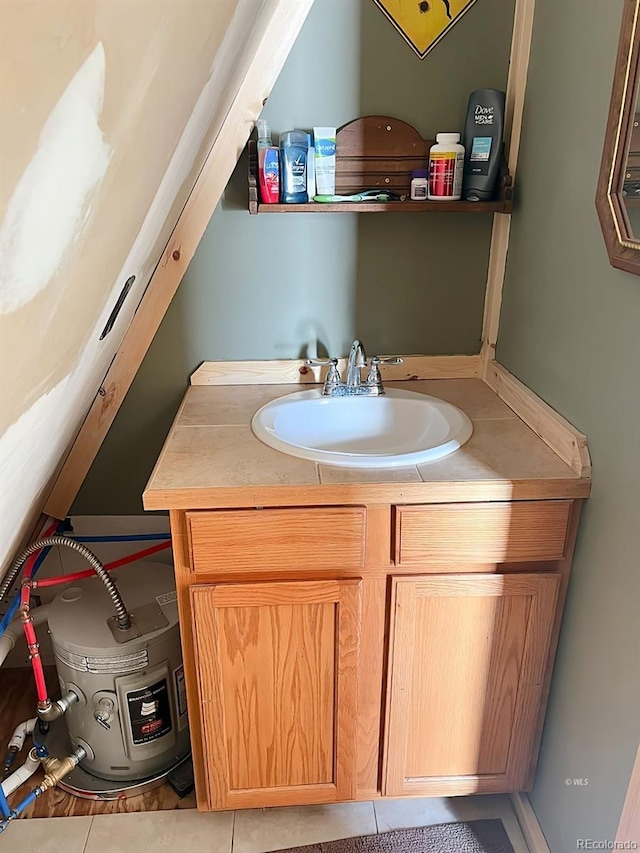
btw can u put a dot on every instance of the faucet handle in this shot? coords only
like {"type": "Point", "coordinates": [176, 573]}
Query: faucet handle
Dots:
{"type": "Point", "coordinates": [332, 378]}
{"type": "Point", "coordinates": [374, 377]}
{"type": "Point", "coordinates": [376, 360]}
{"type": "Point", "coordinates": [320, 362]}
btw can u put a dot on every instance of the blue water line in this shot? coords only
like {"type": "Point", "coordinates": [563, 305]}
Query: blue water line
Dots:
{"type": "Point", "coordinates": [4, 805]}
{"type": "Point", "coordinates": [11, 612]}
{"type": "Point", "coordinates": [30, 798]}
{"type": "Point", "coordinates": [138, 537]}
{"type": "Point", "coordinates": [14, 813]}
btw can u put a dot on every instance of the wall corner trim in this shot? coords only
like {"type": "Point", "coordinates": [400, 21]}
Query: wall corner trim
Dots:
{"type": "Point", "coordinates": [557, 433]}
{"type": "Point", "coordinates": [516, 90]}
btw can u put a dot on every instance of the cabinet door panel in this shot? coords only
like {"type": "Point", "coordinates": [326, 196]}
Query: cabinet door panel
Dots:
{"type": "Point", "coordinates": [277, 669]}
{"type": "Point", "coordinates": [466, 663]}
{"type": "Point", "coordinates": [272, 694]}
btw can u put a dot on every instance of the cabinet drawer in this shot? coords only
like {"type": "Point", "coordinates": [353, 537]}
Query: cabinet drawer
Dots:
{"type": "Point", "coordinates": [516, 532]}
{"type": "Point", "coordinates": [277, 539]}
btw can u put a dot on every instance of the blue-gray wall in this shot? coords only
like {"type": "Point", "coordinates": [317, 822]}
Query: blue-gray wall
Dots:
{"type": "Point", "coordinates": [281, 286]}
{"type": "Point", "coordinates": [570, 329]}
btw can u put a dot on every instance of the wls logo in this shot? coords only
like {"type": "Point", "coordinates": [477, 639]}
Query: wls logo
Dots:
{"type": "Point", "coordinates": [576, 782]}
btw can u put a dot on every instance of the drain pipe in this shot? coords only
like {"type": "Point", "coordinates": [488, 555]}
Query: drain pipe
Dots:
{"type": "Point", "coordinates": [19, 776]}
{"type": "Point", "coordinates": [16, 743]}
{"type": "Point", "coordinates": [20, 734]}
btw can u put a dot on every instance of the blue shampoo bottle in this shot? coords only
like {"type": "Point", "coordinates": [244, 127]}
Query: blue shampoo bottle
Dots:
{"type": "Point", "coordinates": [293, 165]}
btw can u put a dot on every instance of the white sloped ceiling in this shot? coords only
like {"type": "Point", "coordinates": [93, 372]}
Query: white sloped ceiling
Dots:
{"type": "Point", "coordinates": [108, 112]}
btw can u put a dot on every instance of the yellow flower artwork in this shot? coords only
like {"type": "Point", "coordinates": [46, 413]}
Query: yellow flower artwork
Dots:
{"type": "Point", "coordinates": [422, 23]}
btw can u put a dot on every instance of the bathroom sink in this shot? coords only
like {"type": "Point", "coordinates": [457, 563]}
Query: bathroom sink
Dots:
{"type": "Point", "coordinates": [398, 428]}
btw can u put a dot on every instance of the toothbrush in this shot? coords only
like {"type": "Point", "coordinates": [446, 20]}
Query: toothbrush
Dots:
{"type": "Point", "coordinates": [366, 195]}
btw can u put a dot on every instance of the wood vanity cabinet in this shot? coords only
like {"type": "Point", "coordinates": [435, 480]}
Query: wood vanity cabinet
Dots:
{"type": "Point", "coordinates": [336, 653]}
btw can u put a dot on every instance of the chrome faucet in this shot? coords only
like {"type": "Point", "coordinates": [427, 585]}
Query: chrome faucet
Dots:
{"type": "Point", "coordinates": [357, 360]}
{"type": "Point", "coordinates": [353, 386]}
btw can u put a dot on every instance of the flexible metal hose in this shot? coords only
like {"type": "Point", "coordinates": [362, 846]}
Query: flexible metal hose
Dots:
{"type": "Point", "coordinates": [123, 618]}
{"type": "Point", "coordinates": [12, 574]}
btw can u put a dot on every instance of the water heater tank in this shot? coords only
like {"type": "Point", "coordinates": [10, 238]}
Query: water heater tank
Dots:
{"type": "Point", "coordinates": [132, 715]}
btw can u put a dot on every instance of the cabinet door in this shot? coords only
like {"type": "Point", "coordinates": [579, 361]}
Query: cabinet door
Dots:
{"type": "Point", "coordinates": [466, 665]}
{"type": "Point", "coordinates": [277, 667]}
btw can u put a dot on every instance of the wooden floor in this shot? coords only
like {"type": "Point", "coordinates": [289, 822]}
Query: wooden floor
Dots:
{"type": "Point", "coordinates": [17, 703]}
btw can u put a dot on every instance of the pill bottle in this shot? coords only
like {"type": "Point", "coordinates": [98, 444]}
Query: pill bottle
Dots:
{"type": "Point", "coordinates": [446, 165]}
{"type": "Point", "coordinates": [419, 184]}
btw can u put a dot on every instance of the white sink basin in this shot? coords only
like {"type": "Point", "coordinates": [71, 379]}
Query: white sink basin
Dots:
{"type": "Point", "coordinates": [399, 428]}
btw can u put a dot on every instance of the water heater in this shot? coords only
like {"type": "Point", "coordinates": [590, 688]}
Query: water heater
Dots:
{"type": "Point", "coordinates": [131, 717]}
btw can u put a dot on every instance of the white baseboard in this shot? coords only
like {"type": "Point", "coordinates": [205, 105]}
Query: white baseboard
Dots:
{"type": "Point", "coordinates": [529, 826]}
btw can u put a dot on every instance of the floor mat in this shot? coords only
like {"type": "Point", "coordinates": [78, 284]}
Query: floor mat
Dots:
{"type": "Point", "coordinates": [477, 836]}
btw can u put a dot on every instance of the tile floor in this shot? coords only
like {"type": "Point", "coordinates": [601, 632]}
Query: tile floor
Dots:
{"type": "Point", "coordinates": [252, 831]}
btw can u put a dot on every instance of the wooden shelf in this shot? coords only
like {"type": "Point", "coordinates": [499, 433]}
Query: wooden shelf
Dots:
{"type": "Point", "coordinates": [505, 206]}
{"type": "Point", "coordinates": [380, 152]}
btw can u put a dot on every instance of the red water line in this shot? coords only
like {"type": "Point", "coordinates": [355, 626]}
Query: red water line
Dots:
{"type": "Point", "coordinates": [32, 643]}
{"type": "Point", "coordinates": [27, 624]}
{"type": "Point", "coordinates": [76, 576]}
{"type": "Point", "coordinates": [34, 654]}
{"type": "Point", "coordinates": [146, 552]}
{"type": "Point", "coordinates": [28, 566]}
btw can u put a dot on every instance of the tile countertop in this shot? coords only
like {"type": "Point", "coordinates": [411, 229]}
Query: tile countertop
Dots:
{"type": "Point", "coordinates": [212, 459]}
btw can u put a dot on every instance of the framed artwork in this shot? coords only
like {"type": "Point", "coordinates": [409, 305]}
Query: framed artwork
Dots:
{"type": "Point", "coordinates": [422, 23]}
{"type": "Point", "coordinates": [618, 192]}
